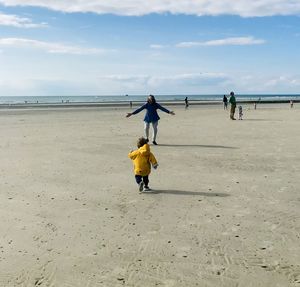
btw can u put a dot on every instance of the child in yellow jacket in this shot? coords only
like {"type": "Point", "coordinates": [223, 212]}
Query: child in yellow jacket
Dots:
{"type": "Point", "coordinates": [142, 159]}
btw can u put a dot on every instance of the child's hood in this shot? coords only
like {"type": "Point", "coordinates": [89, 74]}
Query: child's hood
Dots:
{"type": "Point", "coordinates": [144, 150]}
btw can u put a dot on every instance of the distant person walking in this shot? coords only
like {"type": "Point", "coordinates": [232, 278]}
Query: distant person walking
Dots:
{"type": "Point", "coordinates": [291, 103]}
{"type": "Point", "coordinates": [151, 116]}
{"type": "Point", "coordinates": [225, 102]}
{"type": "Point", "coordinates": [186, 101]}
{"type": "Point", "coordinates": [240, 112]}
{"type": "Point", "coordinates": [232, 101]}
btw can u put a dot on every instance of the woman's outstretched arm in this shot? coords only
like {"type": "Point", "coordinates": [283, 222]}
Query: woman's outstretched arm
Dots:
{"type": "Point", "coordinates": [136, 111]}
{"type": "Point", "coordinates": [164, 109]}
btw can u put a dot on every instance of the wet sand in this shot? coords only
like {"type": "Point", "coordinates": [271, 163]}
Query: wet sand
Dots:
{"type": "Point", "coordinates": [224, 210]}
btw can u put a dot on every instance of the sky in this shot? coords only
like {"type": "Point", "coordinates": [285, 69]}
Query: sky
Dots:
{"type": "Point", "coordinates": [138, 47]}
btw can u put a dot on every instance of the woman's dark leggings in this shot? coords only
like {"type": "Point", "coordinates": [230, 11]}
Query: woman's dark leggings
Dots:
{"type": "Point", "coordinates": [140, 178]}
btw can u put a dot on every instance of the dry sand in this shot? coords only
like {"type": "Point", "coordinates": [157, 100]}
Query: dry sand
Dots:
{"type": "Point", "coordinates": [224, 211]}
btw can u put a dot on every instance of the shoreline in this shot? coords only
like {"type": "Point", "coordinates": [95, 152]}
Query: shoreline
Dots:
{"type": "Point", "coordinates": [134, 104]}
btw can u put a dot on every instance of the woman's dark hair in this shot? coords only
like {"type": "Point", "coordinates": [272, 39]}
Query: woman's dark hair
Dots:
{"type": "Point", "coordinates": [152, 99]}
{"type": "Point", "coordinates": [141, 142]}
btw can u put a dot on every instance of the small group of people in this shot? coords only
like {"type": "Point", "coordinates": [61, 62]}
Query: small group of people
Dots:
{"type": "Point", "coordinates": [232, 101]}
{"type": "Point", "coordinates": [143, 158]}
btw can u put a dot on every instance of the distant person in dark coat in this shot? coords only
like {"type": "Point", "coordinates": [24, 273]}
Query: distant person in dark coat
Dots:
{"type": "Point", "coordinates": [186, 101]}
{"type": "Point", "coordinates": [232, 101]}
{"type": "Point", "coordinates": [225, 102]}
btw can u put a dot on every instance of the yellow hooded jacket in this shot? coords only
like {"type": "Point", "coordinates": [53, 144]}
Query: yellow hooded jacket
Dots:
{"type": "Point", "coordinates": [142, 159]}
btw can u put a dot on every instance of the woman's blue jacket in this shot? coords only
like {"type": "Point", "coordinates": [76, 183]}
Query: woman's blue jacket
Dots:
{"type": "Point", "coordinates": [151, 114]}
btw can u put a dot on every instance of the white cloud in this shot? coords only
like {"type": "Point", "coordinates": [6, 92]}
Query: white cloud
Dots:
{"type": "Point", "coordinates": [283, 80]}
{"type": "Point", "coordinates": [55, 48]}
{"type": "Point", "coordinates": [16, 21]}
{"type": "Point", "coordinates": [237, 41]}
{"type": "Point", "coordinates": [201, 83]}
{"type": "Point", "coordinates": [189, 83]}
{"type": "Point", "coordinates": [244, 8]}
{"type": "Point", "coordinates": [46, 86]}
{"type": "Point", "coordinates": [142, 79]}
{"type": "Point", "coordinates": [121, 77]}
{"type": "Point", "coordinates": [157, 46]}
{"type": "Point", "coordinates": [260, 83]}
{"type": "Point", "coordinates": [192, 79]}
{"type": "Point", "coordinates": [176, 84]}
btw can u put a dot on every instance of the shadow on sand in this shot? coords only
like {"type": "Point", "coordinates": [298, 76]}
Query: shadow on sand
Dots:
{"type": "Point", "coordinates": [198, 145]}
{"type": "Point", "coordinates": [261, 120]}
{"type": "Point", "coordinates": [183, 192]}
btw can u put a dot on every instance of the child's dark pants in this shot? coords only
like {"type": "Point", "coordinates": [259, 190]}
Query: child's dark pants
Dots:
{"type": "Point", "coordinates": [140, 178]}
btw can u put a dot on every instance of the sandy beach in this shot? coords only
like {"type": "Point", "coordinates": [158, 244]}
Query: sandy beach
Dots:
{"type": "Point", "coordinates": [224, 210]}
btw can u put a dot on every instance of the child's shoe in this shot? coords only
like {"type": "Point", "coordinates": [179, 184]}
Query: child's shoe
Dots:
{"type": "Point", "coordinates": [147, 188]}
{"type": "Point", "coordinates": [141, 186]}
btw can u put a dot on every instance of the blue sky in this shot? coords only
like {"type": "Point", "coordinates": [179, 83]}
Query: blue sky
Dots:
{"type": "Point", "coordinates": [140, 47]}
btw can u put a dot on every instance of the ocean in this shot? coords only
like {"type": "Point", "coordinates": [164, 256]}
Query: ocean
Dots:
{"type": "Point", "coordinates": [134, 98]}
